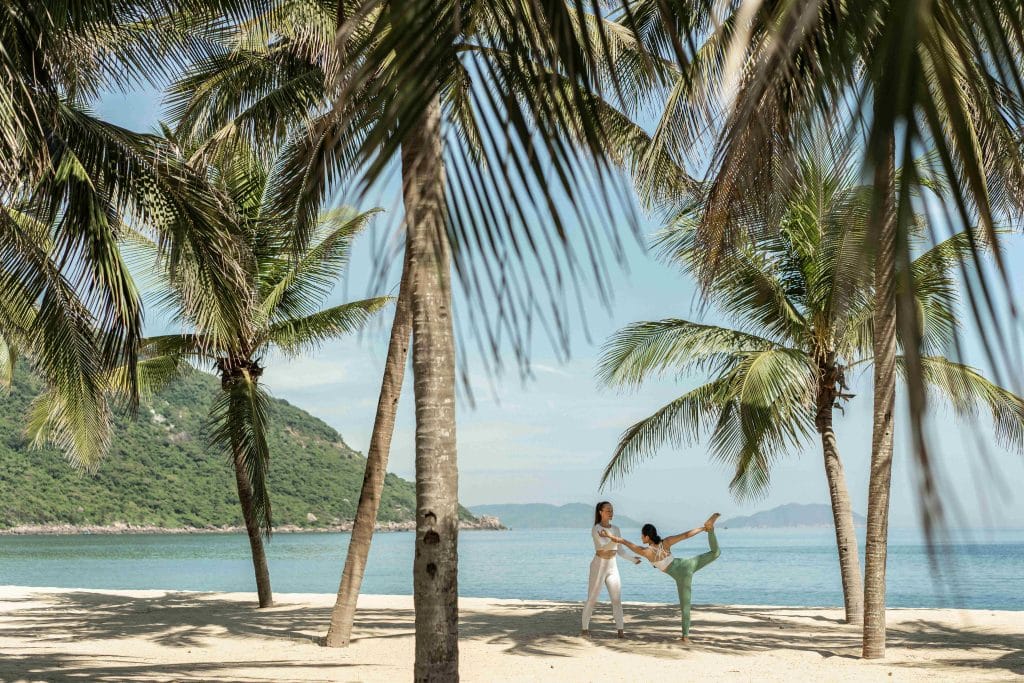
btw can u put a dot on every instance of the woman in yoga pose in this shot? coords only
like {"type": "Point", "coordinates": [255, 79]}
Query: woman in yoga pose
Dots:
{"type": "Point", "coordinates": [603, 568]}
{"type": "Point", "coordinates": [679, 568]}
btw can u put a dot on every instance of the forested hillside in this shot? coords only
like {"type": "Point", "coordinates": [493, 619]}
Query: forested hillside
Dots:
{"type": "Point", "coordinates": [160, 471]}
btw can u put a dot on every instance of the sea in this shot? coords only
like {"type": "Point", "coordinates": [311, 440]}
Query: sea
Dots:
{"type": "Point", "coordinates": [792, 567]}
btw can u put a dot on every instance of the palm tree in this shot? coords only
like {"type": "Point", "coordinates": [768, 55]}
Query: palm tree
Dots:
{"type": "Point", "coordinates": [903, 76]}
{"type": "Point", "coordinates": [396, 93]}
{"type": "Point", "coordinates": [887, 269]}
{"type": "Point", "coordinates": [805, 315]}
{"type": "Point", "coordinates": [69, 181]}
{"type": "Point", "coordinates": [339, 633]}
{"type": "Point", "coordinates": [281, 307]}
{"type": "Point", "coordinates": [450, 70]}
{"type": "Point", "coordinates": [270, 89]}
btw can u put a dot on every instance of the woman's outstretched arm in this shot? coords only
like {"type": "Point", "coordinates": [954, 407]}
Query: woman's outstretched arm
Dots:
{"type": "Point", "coordinates": [638, 549]}
{"type": "Point", "coordinates": [670, 541]}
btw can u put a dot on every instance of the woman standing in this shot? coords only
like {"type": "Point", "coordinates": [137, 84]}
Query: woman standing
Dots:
{"type": "Point", "coordinates": [603, 568]}
{"type": "Point", "coordinates": [679, 568]}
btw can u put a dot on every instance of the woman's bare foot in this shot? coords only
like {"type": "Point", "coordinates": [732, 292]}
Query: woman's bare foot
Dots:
{"type": "Point", "coordinates": [620, 634]}
{"type": "Point", "coordinates": [710, 524]}
{"type": "Point", "coordinates": [585, 633]}
{"type": "Point", "coordinates": [684, 640]}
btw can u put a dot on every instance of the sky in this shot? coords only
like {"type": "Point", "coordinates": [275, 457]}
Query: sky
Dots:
{"type": "Point", "coordinates": [547, 440]}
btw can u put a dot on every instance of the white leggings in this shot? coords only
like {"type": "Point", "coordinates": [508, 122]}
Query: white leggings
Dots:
{"type": "Point", "coordinates": [605, 572]}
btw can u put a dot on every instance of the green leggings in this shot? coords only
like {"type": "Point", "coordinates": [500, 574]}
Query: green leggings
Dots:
{"type": "Point", "coordinates": [682, 570]}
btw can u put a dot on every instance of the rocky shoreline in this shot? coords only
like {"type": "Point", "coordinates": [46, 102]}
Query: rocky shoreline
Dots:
{"type": "Point", "coordinates": [482, 523]}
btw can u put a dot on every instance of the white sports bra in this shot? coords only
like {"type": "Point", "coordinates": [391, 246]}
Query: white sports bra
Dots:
{"type": "Point", "coordinates": [602, 543]}
{"type": "Point", "coordinates": [664, 557]}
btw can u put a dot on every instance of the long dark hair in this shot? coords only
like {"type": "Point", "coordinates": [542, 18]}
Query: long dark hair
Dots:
{"type": "Point", "coordinates": [597, 511]}
{"type": "Point", "coordinates": [652, 533]}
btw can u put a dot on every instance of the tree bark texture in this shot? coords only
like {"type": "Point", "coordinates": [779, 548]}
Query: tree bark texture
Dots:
{"type": "Point", "coordinates": [884, 402]}
{"type": "Point", "coordinates": [435, 567]}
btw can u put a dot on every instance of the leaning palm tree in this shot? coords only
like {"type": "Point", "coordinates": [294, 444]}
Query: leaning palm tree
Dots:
{"type": "Point", "coordinates": [391, 94]}
{"type": "Point", "coordinates": [903, 76]}
{"type": "Point", "coordinates": [281, 308]}
{"type": "Point", "coordinates": [805, 316]}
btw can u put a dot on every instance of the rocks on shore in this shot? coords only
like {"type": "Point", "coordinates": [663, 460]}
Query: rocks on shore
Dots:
{"type": "Point", "coordinates": [481, 523]}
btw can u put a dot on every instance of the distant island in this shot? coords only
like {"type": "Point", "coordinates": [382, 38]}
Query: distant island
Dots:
{"type": "Point", "coordinates": [546, 516]}
{"type": "Point", "coordinates": [789, 515]}
{"type": "Point", "coordinates": [160, 476]}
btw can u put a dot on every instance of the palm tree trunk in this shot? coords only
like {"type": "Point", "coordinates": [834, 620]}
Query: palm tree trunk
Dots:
{"type": "Point", "coordinates": [435, 567]}
{"type": "Point", "coordinates": [252, 527]}
{"type": "Point", "coordinates": [884, 400]}
{"type": "Point", "coordinates": [842, 512]}
{"type": "Point", "coordinates": [343, 614]}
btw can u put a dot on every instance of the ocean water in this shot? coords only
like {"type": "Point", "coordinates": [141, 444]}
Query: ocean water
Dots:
{"type": "Point", "coordinates": [796, 567]}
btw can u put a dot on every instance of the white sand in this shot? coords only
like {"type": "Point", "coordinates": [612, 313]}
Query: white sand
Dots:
{"type": "Point", "coordinates": [54, 634]}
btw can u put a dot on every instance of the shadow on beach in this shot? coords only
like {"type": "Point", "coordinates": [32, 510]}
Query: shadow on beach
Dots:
{"type": "Point", "coordinates": [195, 620]}
{"type": "Point", "coordinates": [654, 630]}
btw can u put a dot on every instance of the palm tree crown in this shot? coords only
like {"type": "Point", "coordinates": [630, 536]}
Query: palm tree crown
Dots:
{"type": "Point", "coordinates": [279, 306]}
{"type": "Point", "coordinates": [802, 306]}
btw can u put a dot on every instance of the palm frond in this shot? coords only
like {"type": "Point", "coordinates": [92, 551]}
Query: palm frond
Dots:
{"type": "Point", "coordinates": [8, 358]}
{"type": "Point", "coordinates": [298, 335]}
{"type": "Point", "coordinates": [969, 392]}
{"type": "Point", "coordinates": [70, 419]}
{"type": "Point", "coordinates": [296, 286]}
{"type": "Point", "coordinates": [646, 348]}
{"type": "Point", "coordinates": [245, 98]}
{"type": "Point", "coordinates": [45, 318]}
{"type": "Point", "coordinates": [539, 71]}
{"type": "Point", "coordinates": [769, 414]}
{"type": "Point", "coordinates": [185, 345]}
{"type": "Point", "coordinates": [153, 374]}
{"type": "Point", "coordinates": [679, 423]}
{"type": "Point", "coordinates": [143, 177]}
{"type": "Point", "coordinates": [749, 286]}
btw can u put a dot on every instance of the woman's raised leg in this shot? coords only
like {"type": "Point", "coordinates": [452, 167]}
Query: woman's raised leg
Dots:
{"type": "Point", "coordinates": [707, 558]}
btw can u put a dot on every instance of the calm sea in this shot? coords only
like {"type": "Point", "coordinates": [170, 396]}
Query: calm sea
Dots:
{"type": "Point", "coordinates": [773, 567]}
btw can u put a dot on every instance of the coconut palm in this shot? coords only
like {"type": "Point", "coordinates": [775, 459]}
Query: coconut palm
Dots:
{"type": "Point", "coordinates": [444, 73]}
{"type": "Point", "coordinates": [804, 315]}
{"type": "Point", "coordinates": [396, 93]}
{"type": "Point", "coordinates": [69, 181]}
{"type": "Point", "coordinates": [281, 306]}
{"type": "Point", "coordinates": [267, 89]}
{"type": "Point", "coordinates": [452, 70]}
{"type": "Point", "coordinates": [902, 76]}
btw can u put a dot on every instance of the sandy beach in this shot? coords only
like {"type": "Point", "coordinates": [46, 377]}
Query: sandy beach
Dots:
{"type": "Point", "coordinates": [55, 634]}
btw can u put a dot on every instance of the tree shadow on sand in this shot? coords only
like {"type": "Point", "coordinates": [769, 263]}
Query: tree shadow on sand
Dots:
{"type": "Point", "coordinates": [183, 620]}
{"type": "Point", "coordinates": [550, 629]}
{"type": "Point", "coordinates": [66, 667]}
{"type": "Point", "coordinates": [172, 619]}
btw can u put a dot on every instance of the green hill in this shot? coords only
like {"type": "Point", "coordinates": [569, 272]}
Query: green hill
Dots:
{"type": "Point", "coordinates": [160, 471]}
{"type": "Point", "coordinates": [546, 516]}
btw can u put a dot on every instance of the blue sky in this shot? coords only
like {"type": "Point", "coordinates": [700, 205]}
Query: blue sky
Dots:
{"type": "Point", "coordinates": [547, 440]}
